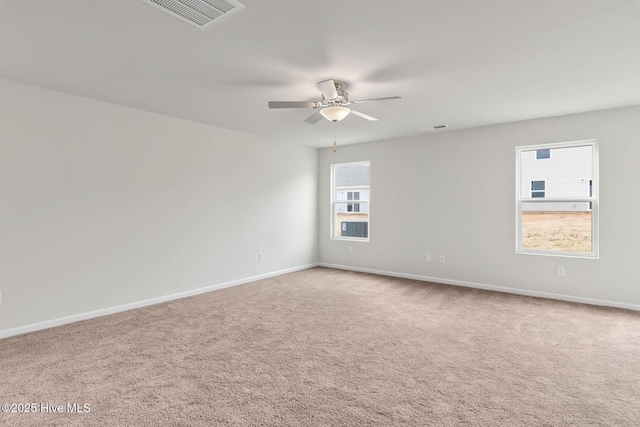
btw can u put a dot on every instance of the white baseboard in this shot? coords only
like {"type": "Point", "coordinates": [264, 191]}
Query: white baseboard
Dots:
{"type": "Point", "coordinates": [526, 292]}
{"type": "Point", "coordinates": [130, 306]}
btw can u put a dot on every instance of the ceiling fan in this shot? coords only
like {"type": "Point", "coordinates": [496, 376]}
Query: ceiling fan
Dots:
{"type": "Point", "coordinates": [333, 105]}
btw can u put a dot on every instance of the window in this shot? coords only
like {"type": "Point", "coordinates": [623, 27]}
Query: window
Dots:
{"type": "Point", "coordinates": [557, 200]}
{"type": "Point", "coordinates": [353, 207]}
{"type": "Point", "coordinates": [350, 201]}
{"type": "Point", "coordinates": [537, 189]}
{"type": "Point", "coordinates": [545, 153]}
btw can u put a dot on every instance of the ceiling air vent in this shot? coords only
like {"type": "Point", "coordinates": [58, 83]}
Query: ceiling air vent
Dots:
{"type": "Point", "coordinates": [200, 13]}
{"type": "Point", "coordinates": [434, 127]}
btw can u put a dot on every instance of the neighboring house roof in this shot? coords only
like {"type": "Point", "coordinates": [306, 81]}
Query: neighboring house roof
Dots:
{"type": "Point", "coordinates": [352, 176]}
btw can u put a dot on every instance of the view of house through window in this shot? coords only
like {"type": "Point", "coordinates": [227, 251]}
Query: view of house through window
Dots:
{"type": "Point", "coordinates": [557, 199]}
{"type": "Point", "coordinates": [353, 207]}
{"type": "Point", "coordinates": [537, 189]}
{"type": "Point", "coordinates": [350, 200]}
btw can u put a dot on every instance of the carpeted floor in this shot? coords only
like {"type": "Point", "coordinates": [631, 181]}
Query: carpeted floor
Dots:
{"type": "Point", "coordinates": [324, 347]}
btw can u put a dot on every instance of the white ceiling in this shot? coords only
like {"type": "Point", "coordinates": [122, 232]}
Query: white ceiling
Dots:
{"type": "Point", "coordinates": [463, 63]}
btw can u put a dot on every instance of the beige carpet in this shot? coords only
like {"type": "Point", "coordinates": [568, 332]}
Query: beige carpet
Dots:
{"type": "Point", "coordinates": [325, 347]}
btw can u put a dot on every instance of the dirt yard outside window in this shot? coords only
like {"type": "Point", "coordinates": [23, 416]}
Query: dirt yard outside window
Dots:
{"type": "Point", "coordinates": [557, 231]}
{"type": "Point", "coordinates": [546, 231]}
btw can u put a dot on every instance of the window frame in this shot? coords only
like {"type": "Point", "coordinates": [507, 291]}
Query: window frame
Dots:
{"type": "Point", "coordinates": [594, 199]}
{"type": "Point", "coordinates": [332, 227]}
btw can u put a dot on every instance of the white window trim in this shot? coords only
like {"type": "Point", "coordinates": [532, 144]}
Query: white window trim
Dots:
{"type": "Point", "coordinates": [595, 199]}
{"type": "Point", "coordinates": [332, 205]}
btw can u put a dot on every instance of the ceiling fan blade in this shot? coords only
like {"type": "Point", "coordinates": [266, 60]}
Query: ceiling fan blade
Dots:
{"type": "Point", "coordinates": [293, 104]}
{"type": "Point", "coordinates": [314, 118]}
{"type": "Point", "coordinates": [375, 99]}
{"type": "Point", "coordinates": [328, 89]}
{"type": "Point", "coordinates": [364, 116]}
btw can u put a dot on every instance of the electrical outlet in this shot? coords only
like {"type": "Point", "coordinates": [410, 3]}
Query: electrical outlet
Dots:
{"type": "Point", "coordinates": [560, 271]}
{"type": "Point", "coordinates": [441, 259]}
{"type": "Point", "coordinates": [260, 256]}
{"type": "Point", "coordinates": [428, 257]}
{"type": "Point", "coordinates": [350, 249]}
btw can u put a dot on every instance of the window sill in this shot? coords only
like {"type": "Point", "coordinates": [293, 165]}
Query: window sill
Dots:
{"type": "Point", "coordinates": [351, 239]}
{"type": "Point", "coordinates": [558, 254]}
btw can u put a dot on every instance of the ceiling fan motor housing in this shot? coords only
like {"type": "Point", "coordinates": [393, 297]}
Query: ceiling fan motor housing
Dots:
{"type": "Point", "coordinates": [343, 96]}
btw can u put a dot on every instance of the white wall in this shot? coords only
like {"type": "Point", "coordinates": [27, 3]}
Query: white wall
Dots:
{"type": "Point", "coordinates": [454, 194]}
{"type": "Point", "coordinates": [104, 205]}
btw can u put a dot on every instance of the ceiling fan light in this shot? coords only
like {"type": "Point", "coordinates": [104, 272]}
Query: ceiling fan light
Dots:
{"type": "Point", "coordinates": [335, 114]}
